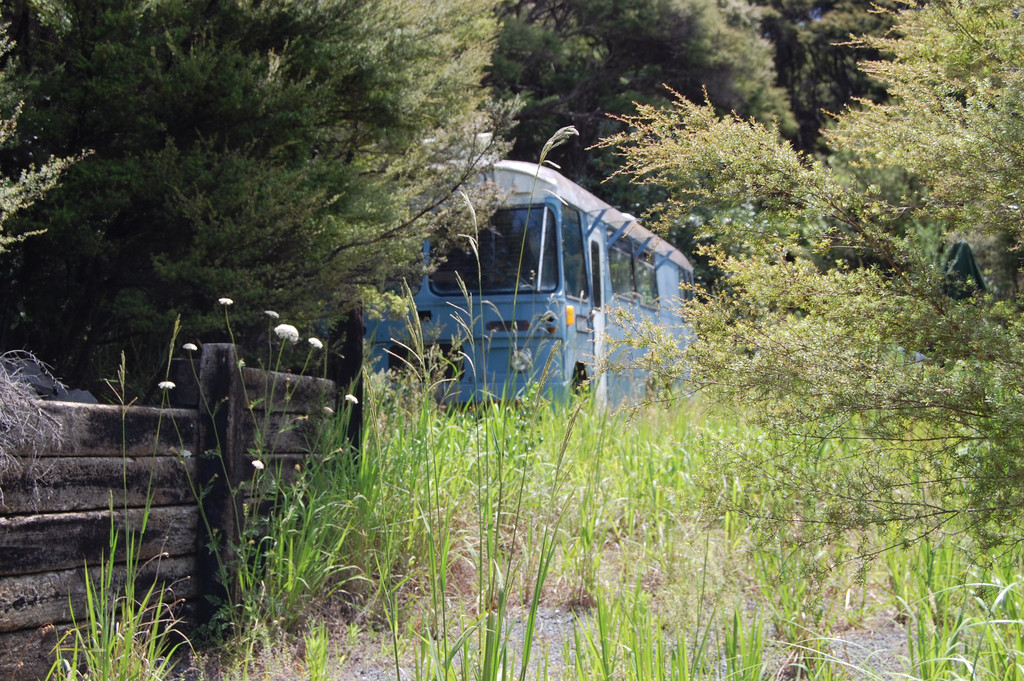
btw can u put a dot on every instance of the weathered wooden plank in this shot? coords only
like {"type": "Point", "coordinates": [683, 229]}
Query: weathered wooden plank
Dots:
{"type": "Point", "coordinates": [28, 602]}
{"type": "Point", "coordinates": [276, 391]}
{"type": "Point", "coordinates": [278, 433]}
{"type": "Point", "coordinates": [54, 485]}
{"type": "Point", "coordinates": [28, 655]}
{"type": "Point", "coordinates": [59, 541]}
{"type": "Point", "coordinates": [277, 472]}
{"type": "Point", "coordinates": [109, 430]}
{"type": "Point", "coordinates": [286, 467]}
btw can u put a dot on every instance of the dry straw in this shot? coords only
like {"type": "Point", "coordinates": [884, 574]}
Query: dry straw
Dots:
{"type": "Point", "coordinates": [25, 427]}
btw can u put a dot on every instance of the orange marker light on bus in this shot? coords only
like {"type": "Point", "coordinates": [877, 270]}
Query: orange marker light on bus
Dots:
{"type": "Point", "coordinates": [570, 315]}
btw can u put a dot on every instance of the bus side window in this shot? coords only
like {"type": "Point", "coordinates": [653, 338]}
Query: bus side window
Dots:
{"type": "Point", "coordinates": [572, 255]}
{"type": "Point", "coordinates": [646, 282]}
{"type": "Point", "coordinates": [620, 266]}
{"type": "Point", "coordinates": [595, 272]}
{"type": "Point", "coordinates": [687, 279]}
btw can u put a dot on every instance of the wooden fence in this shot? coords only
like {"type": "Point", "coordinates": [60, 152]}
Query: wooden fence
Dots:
{"type": "Point", "coordinates": [117, 465]}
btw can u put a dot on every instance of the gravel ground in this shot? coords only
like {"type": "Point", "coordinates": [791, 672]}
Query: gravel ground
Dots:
{"type": "Point", "coordinates": [878, 650]}
{"type": "Point", "coordinates": [553, 633]}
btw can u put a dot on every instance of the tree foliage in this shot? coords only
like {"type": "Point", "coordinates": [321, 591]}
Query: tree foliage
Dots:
{"type": "Point", "coordinates": [281, 153]}
{"type": "Point", "coordinates": [573, 62]}
{"type": "Point", "coordinates": [20, 187]}
{"type": "Point", "coordinates": [817, 56]}
{"type": "Point", "coordinates": [890, 402]}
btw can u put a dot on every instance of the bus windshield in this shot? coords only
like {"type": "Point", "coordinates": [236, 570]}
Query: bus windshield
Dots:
{"type": "Point", "coordinates": [517, 251]}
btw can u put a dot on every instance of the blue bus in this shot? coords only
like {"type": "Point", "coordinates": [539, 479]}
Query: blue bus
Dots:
{"type": "Point", "coordinates": [535, 296]}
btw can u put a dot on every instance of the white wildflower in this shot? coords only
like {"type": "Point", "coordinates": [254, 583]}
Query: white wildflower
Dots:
{"type": "Point", "coordinates": [225, 301]}
{"type": "Point", "coordinates": [287, 332]}
{"type": "Point", "coordinates": [191, 347]}
{"type": "Point", "coordinates": [185, 454]}
{"type": "Point", "coordinates": [165, 385]}
{"type": "Point", "coordinates": [328, 411]}
{"type": "Point", "coordinates": [257, 464]}
{"type": "Point", "coordinates": [271, 314]}
{"type": "Point", "coordinates": [316, 343]}
{"type": "Point", "coordinates": [351, 399]}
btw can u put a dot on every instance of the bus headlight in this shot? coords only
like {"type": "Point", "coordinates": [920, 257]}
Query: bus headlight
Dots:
{"type": "Point", "coordinates": [522, 361]}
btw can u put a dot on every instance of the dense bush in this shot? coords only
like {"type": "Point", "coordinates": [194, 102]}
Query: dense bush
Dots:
{"type": "Point", "coordinates": [833, 319]}
{"type": "Point", "coordinates": [273, 152]}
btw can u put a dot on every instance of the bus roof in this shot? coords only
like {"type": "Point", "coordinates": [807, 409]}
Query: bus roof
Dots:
{"type": "Point", "coordinates": [530, 182]}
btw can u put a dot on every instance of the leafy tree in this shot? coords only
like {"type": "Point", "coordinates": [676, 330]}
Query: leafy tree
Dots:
{"type": "Point", "coordinates": [22, 186]}
{"type": "Point", "coordinates": [892, 403]}
{"type": "Point", "coordinates": [573, 62]}
{"type": "Point", "coordinates": [285, 154]}
{"type": "Point", "coordinates": [816, 58]}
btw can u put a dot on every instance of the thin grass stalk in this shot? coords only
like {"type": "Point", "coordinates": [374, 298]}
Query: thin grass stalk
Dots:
{"type": "Point", "coordinates": [548, 547]}
{"type": "Point", "coordinates": [119, 636]}
{"type": "Point", "coordinates": [744, 649]}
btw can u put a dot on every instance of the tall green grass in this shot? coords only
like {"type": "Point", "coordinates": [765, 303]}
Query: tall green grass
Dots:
{"type": "Point", "coordinates": [457, 532]}
{"type": "Point", "coordinates": [663, 588]}
{"type": "Point", "coordinates": [126, 632]}
{"type": "Point", "coordinates": [449, 504]}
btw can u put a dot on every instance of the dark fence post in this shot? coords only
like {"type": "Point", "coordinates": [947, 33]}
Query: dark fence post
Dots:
{"type": "Point", "coordinates": [220, 475]}
{"type": "Point", "coordinates": [346, 369]}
